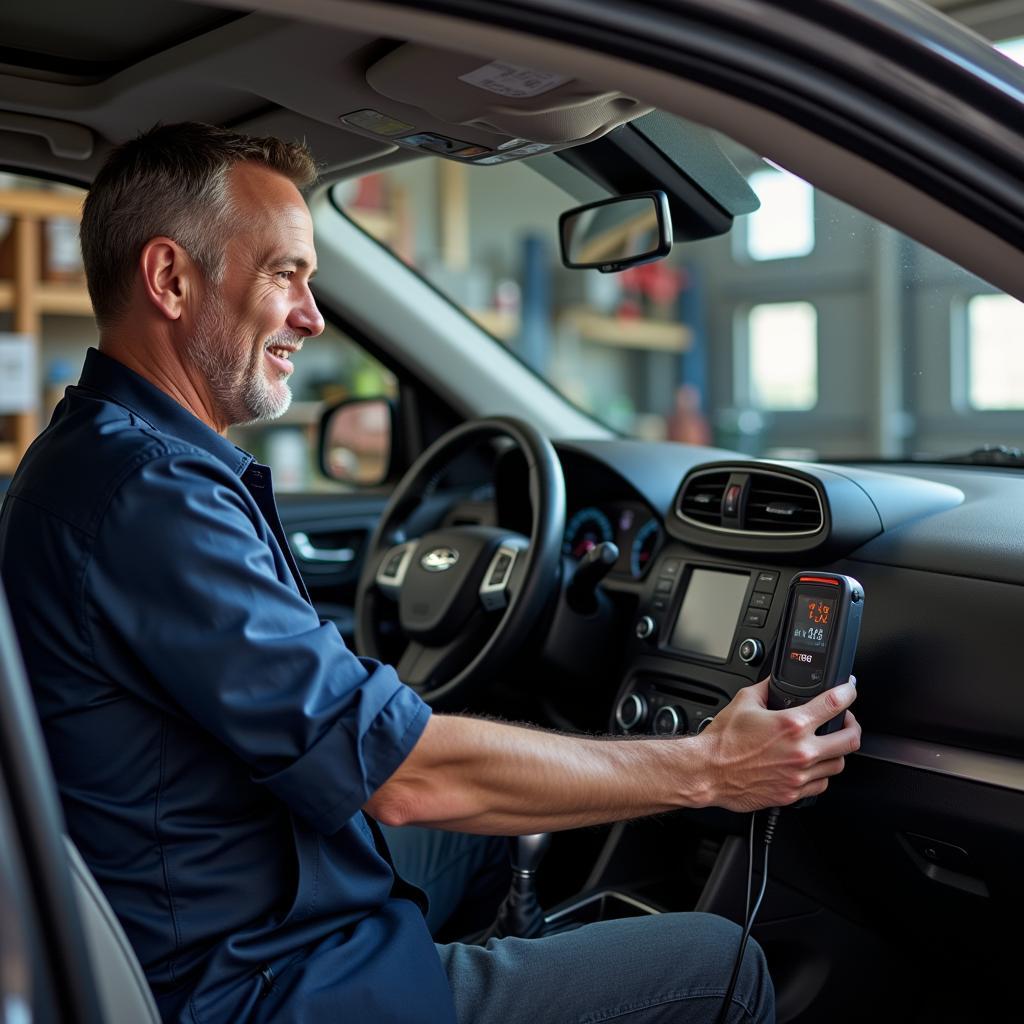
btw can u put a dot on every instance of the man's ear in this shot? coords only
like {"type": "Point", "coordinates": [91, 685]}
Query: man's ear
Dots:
{"type": "Point", "coordinates": [168, 275]}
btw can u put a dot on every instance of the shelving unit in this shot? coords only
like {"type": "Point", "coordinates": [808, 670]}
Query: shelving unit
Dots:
{"type": "Point", "coordinates": [29, 297]}
{"type": "Point", "coordinates": [628, 332]}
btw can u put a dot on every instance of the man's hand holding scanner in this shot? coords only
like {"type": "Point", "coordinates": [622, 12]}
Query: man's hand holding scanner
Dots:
{"type": "Point", "coordinates": [759, 758]}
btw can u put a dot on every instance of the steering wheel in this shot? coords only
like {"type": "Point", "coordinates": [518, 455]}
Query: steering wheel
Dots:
{"type": "Point", "coordinates": [467, 596]}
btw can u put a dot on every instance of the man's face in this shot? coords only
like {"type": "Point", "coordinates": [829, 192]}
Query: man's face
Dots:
{"type": "Point", "coordinates": [249, 325]}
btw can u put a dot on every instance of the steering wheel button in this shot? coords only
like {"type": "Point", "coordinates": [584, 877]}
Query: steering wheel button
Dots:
{"type": "Point", "coordinates": [501, 567]}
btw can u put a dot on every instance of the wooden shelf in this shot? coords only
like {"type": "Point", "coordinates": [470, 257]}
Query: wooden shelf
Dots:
{"type": "Point", "coordinates": [378, 223]}
{"type": "Point", "coordinates": [40, 204]}
{"type": "Point", "coordinates": [27, 295]}
{"type": "Point", "coordinates": [497, 322]}
{"type": "Point", "coordinates": [9, 457]}
{"type": "Point", "coordinates": [50, 298]}
{"type": "Point", "coordinates": [624, 332]}
{"type": "Point", "coordinates": [63, 299]}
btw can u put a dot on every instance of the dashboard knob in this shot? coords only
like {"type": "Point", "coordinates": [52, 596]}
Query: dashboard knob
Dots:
{"type": "Point", "coordinates": [645, 626]}
{"type": "Point", "coordinates": [751, 651]}
{"type": "Point", "coordinates": [704, 723]}
{"type": "Point", "coordinates": [631, 711]}
{"type": "Point", "coordinates": [668, 721]}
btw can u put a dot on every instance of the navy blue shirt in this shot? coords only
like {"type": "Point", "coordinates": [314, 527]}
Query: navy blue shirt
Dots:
{"type": "Point", "coordinates": [213, 740]}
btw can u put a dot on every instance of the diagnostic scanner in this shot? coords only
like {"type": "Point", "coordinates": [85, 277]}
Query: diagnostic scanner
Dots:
{"type": "Point", "coordinates": [818, 641]}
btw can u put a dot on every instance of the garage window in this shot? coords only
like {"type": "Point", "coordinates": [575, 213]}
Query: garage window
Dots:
{"type": "Point", "coordinates": [782, 356]}
{"type": "Point", "coordinates": [995, 352]}
{"type": "Point", "coordinates": [783, 228]}
{"type": "Point", "coordinates": [1013, 48]}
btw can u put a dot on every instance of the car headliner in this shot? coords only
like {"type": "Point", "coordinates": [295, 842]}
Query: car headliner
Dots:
{"type": "Point", "coordinates": [267, 74]}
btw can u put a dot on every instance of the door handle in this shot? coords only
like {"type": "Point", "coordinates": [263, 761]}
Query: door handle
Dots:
{"type": "Point", "coordinates": [308, 553]}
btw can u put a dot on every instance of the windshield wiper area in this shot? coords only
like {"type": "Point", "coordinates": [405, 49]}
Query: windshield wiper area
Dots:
{"type": "Point", "coordinates": [989, 455]}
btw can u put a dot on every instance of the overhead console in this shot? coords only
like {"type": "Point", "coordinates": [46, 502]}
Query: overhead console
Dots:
{"type": "Point", "coordinates": [482, 111]}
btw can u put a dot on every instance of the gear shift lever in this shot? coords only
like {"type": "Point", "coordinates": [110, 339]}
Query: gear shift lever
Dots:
{"type": "Point", "coordinates": [520, 915]}
{"type": "Point", "coordinates": [528, 851]}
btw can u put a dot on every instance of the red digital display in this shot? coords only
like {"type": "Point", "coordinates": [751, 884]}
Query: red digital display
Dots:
{"type": "Point", "coordinates": [811, 623]}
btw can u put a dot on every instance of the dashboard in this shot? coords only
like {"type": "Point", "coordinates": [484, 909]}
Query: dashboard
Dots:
{"type": "Point", "coordinates": [934, 799]}
{"type": "Point", "coordinates": [939, 550]}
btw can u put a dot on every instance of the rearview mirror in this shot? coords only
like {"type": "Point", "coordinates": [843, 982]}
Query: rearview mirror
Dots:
{"type": "Point", "coordinates": [616, 233]}
{"type": "Point", "coordinates": [356, 441]}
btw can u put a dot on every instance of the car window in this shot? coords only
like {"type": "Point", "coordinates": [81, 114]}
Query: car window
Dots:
{"type": "Point", "coordinates": [331, 368]}
{"type": "Point", "coordinates": [46, 329]}
{"type": "Point", "coordinates": [810, 330]}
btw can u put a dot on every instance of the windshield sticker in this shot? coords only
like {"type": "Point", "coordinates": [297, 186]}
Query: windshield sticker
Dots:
{"type": "Point", "coordinates": [376, 122]}
{"type": "Point", "coordinates": [513, 80]}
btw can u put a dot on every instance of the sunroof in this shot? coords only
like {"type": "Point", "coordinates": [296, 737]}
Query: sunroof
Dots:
{"type": "Point", "coordinates": [98, 38]}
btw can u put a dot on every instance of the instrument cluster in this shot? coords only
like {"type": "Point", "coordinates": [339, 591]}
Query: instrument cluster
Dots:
{"type": "Point", "coordinates": [629, 525]}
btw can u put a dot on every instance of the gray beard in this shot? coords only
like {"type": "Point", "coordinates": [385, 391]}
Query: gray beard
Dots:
{"type": "Point", "coordinates": [236, 378]}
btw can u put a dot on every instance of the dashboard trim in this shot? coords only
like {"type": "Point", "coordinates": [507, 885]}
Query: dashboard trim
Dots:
{"type": "Point", "coordinates": [969, 765]}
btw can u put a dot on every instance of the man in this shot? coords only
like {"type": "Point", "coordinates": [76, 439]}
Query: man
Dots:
{"type": "Point", "coordinates": [222, 757]}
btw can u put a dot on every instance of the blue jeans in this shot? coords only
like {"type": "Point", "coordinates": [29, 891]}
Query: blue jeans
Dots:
{"type": "Point", "coordinates": [639, 970]}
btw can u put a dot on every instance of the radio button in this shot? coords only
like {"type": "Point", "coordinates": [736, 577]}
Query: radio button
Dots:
{"type": "Point", "coordinates": [645, 626]}
{"type": "Point", "coordinates": [631, 711]}
{"type": "Point", "coordinates": [668, 721]}
{"type": "Point", "coordinates": [755, 617]}
{"type": "Point", "coordinates": [751, 651]}
{"type": "Point", "coordinates": [758, 600]}
{"type": "Point", "coordinates": [766, 581]}
{"type": "Point", "coordinates": [663, 587]}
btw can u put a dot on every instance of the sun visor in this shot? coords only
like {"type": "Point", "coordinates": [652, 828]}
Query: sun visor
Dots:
{"type": "Point", "coordinates": [494, 111]}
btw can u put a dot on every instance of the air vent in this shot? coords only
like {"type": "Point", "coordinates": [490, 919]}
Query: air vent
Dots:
{"type": "Point", "coordinates": [701, 500]}
{"type": "Point", "coordinates": [781, 505]}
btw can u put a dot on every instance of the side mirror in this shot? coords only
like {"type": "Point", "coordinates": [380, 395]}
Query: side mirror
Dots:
{"type": "Point", "coordinates": [616, 233]}
{"type": "Point", "coordinates": [356, 441]}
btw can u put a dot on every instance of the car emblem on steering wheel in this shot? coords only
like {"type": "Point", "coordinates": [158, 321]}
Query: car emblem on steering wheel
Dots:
{"type": "Point", "coordinates": [440, 559]}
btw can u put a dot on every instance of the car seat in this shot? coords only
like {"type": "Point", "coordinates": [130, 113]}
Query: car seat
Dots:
{"type": "Point", "coordinates": [98, 977]}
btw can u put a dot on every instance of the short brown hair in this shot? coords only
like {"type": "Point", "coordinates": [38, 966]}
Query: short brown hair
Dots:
{"type": "Point", "coordinates": [173, 181]}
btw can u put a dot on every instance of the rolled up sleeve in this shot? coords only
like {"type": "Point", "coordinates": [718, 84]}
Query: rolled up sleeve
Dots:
{"type": "Point", "coordinates": [187, 606]}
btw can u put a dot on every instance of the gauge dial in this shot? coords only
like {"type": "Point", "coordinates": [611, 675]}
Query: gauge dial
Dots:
{"type": "Point", "coordinates": [644, 544]}
{"type": "Point", "coordinates": [588, 528]}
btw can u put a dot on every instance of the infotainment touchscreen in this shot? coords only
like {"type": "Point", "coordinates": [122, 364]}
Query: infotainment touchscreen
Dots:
{"type": "Point", "coordinates": [711, 608]}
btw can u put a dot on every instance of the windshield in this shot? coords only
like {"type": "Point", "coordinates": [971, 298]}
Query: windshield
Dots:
{"type": "Point", "coordinates": [809, 331]}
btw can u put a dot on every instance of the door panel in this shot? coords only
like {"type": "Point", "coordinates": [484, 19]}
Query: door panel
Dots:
{"type": "Point", "coordinates": [329, 535]}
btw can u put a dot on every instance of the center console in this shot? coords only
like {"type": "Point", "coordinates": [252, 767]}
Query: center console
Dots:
{"type": "Point", "coordinates": [704, 628]}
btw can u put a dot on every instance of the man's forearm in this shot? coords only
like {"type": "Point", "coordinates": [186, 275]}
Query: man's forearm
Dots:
{"type": "Point", "coordinates": [480, 776]}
